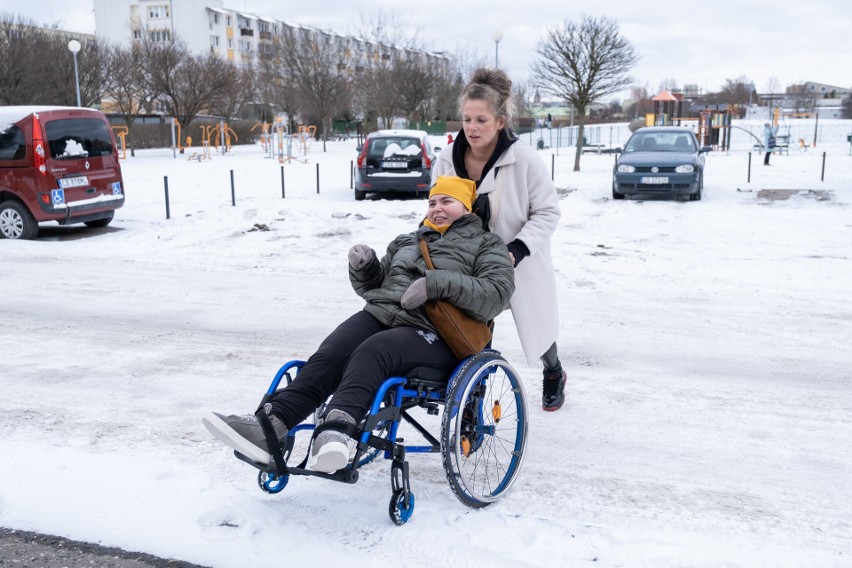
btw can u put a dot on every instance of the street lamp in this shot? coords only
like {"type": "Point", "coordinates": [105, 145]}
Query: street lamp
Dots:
{"type": "Point", "coordinates": [74, 47]}
{"type": "Point", "coordinates": [496, 36]}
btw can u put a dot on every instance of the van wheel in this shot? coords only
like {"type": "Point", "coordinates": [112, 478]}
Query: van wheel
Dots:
{"type": "Point", "coordinates": [16, 222]}
{"type": "Point", "coordinates": [100, 222]}
{"type": "Point", "coordinates": [360, 195]}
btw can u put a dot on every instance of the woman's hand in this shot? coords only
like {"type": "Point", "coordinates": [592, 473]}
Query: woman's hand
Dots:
{"type": "Point", "coordinates": [360, 256]}
{"type": "Point", "coordinates": [415, 296]}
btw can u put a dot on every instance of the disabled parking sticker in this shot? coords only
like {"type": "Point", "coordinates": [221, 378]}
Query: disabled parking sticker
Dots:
{"type": "Point", "coordinates": [57, 196]}
{"type": "Point", "coordinates": [116, 188]}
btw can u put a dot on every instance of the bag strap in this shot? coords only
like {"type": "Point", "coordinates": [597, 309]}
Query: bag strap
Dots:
{"type": "Point", "coordinates": [425, 251]}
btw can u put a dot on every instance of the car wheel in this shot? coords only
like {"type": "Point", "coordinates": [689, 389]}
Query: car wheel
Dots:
{"type": "Point", "coordinates": [16, 222]}
{"type": "Point", "coordinates": [697, 195]}
{"type": "Point", "coordinates": [360, 195]}
{"type": "Point", "coordinates": [100, 222]}
{"type": "Point", "coordinates": [616, 195]}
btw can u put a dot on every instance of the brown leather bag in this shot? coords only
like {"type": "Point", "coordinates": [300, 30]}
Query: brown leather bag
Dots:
{"type": "Point", "coordinates": [464, 335]}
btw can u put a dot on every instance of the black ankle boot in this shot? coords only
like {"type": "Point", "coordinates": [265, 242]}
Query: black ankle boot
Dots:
{"type": "Point", "coordinates": [553, 389]}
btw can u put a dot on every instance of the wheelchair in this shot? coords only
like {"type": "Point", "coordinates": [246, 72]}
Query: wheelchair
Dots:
{"type": "Point", "coordinates": [482, 437]}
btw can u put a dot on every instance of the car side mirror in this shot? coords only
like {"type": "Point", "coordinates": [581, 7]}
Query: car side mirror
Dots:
{"type": "Point", "coordinates": [618, 150]}
{"type": "Point", "coordinates": [705, 149]}
{"type": "Point", "coordinates": [359, 147]}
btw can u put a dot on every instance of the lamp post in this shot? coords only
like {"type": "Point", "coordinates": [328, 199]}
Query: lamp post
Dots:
{"type": "Point", "coordinates": [497, 36]}
{"type": "Point", "coordinates": [74, 47]}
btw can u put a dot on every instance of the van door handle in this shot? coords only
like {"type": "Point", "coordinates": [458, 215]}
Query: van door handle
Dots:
{"type": "Point", "coordinates": [90, 190]}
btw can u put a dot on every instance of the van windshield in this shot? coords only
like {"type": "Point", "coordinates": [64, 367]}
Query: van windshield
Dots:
{"type": "Point", "coordinates": [78, 138]}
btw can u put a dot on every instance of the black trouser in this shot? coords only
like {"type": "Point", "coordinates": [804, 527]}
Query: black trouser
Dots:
{"type": "Point", "coordinates": [766, 159]}
{"type": "Point", "coordinates": [353, 362]}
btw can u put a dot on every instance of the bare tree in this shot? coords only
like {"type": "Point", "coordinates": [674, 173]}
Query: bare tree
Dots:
{"type": "Point", "coordinates": [374, 93]}
{"type": "Point", "coordinates": [773, 85]}
{"type": "Point", "coordinates": [414, 84]}
{"type": "Point", "coordinates": [668, 84]}
{"type": "Point", "coordinates": [126, 85]}
{"type": "Point", "coordinates": [737, 91]}
{"type": "Point", "coordinates": [583, 62]}
{"type": "Point", "coordinates": [237, 90]}
{"type": "Point", "coordinates": [315, 65]}
{"type": "Point", "coordinates": [187, 84]}
{"type": "Point", "coordinates": [20, 82]}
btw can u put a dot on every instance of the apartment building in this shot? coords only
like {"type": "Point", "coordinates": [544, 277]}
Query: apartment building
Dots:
{"type": "Point", "coordinates": [208, 26]}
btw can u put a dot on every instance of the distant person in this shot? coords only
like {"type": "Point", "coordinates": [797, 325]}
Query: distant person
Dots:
{"type": "Point", "coordinates": [769, 133]}
{"type": "Point", "coordinates": [517, 201]}
{"type": "Point", "coordinates": [392, 334]}
{"type": "Point", "coordinates": [549, 121]}
{"type": "Point", "coordinates": [449, 139]}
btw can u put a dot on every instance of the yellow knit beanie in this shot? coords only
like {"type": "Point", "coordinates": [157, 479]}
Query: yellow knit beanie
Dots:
{"type": "Point", "coordinates": [459, 188]}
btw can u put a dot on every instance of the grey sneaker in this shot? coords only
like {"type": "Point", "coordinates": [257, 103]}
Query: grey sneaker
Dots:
{"type": "Point", "coordinates": [244, 433]}
{"type": "Point", "coordinates": [330, 450]}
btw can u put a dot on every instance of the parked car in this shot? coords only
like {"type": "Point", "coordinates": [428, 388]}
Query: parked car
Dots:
{"type": "Point", "coordinates": [56, 164]}
{"type": "Point", "coordinates": [394, 160]}
{"type": "Point", "coordinates": [660, 160]}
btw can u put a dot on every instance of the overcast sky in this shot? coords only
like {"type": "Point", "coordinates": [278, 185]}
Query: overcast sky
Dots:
{"type": "Point", "coordinates": [789, 41]}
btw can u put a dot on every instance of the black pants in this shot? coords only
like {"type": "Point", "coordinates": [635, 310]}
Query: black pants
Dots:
{"type": "Point", "coordinates": [766, 159]}
{"type": "Point", "coordinates": [353, 362]}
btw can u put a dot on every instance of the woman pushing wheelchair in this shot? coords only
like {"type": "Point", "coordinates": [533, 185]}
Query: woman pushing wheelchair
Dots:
{"type": "Point", "coordinates": [392, 334]}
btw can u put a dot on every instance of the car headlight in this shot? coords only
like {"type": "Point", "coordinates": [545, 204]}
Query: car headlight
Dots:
{"type": "Point", "coordinates": [685, 169]}
{"type": "Point", "coordinates": [626, 169]}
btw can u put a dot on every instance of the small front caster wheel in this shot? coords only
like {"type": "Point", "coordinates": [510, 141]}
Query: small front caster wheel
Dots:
{"type": "Point", "coordinates": [271, 483]}
{"type": "Point", "coordinates": [398, 512]}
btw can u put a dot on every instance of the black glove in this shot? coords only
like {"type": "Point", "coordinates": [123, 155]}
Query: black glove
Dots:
{"type": "Point", "coordinates": [519, 250]}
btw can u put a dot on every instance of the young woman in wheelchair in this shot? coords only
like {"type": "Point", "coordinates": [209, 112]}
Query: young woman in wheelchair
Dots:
{"type": "Point", "coordinates": [392, 334]}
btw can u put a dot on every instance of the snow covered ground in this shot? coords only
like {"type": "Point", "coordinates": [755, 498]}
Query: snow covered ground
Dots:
{"type": "Point", "coordinates": [709, 411]}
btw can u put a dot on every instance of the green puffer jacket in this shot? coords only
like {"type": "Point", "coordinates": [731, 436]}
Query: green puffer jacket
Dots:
{"type": "Point", "coordinates": [472, 271]}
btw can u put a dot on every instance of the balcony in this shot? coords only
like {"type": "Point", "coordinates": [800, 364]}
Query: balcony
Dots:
{"type": "Point", "coordinates": [246, 32]}
{"type": "Point", "coordinates": [266, 35]}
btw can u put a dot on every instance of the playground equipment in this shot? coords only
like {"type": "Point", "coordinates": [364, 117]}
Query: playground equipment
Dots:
{"type": "Point", "coordinates": [306, 135]}
{"type": "Point", "coordinates": [120, 132]}
{"type": "Point", "coordinates": [667, 110]}
{"type": "Point", "coordinates": [214, 134]}
{"type": "Point", "coordinates": [176, 140]}
{"type": "Point", "coordinates": [265, 138]}
{"type": "Point", "coordinates": [204, 154]}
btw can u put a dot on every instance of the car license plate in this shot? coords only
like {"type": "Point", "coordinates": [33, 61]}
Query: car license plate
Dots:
{"type": "Point", "coordinates": [79, 181]}
{"type": "Point", "coordinates": [654, 180]}
{"type": "Point", "coordinates": [394, 165]}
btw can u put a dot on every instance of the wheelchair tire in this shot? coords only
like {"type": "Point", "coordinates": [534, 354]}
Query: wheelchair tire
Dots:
{"type": "Point", "coordinates": [484, 429]}
{"type": "Point", "coordinates": [397, 510]}
{"type": "Point", "coordinates": [271, 483]}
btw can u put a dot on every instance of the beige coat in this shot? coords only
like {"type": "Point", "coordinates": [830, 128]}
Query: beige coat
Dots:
{"type": "Point", "coordinates": [523, 206]}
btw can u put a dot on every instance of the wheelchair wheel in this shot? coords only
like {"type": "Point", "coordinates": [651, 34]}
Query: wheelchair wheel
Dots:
{"type": "Point", "coordinates": [397, 510]}
{"type": "Point", "coordinates": [484, 429]}
{"type": "Point", "coordinates": [271, 483]}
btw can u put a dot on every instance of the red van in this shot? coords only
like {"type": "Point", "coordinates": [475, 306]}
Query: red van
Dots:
{"type": "Point", "coordinates": [56, 164]}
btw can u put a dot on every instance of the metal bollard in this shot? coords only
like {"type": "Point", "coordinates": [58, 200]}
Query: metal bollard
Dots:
{"type": "Point", "coordinates": [233, 197]}
{"type": "Point", "coordinates": [283, 195]}
{"type": "Point", "coordinates": [166, 184]}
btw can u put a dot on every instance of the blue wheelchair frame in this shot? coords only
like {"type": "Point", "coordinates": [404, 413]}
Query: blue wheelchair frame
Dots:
{"type": "Point", "coordinates": [466, 426]}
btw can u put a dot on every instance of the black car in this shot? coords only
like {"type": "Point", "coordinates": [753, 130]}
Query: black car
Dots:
{"type": "Point", "coordinates": [394, 160]}
{"type": "Point", "coordinates": [660, 160]}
